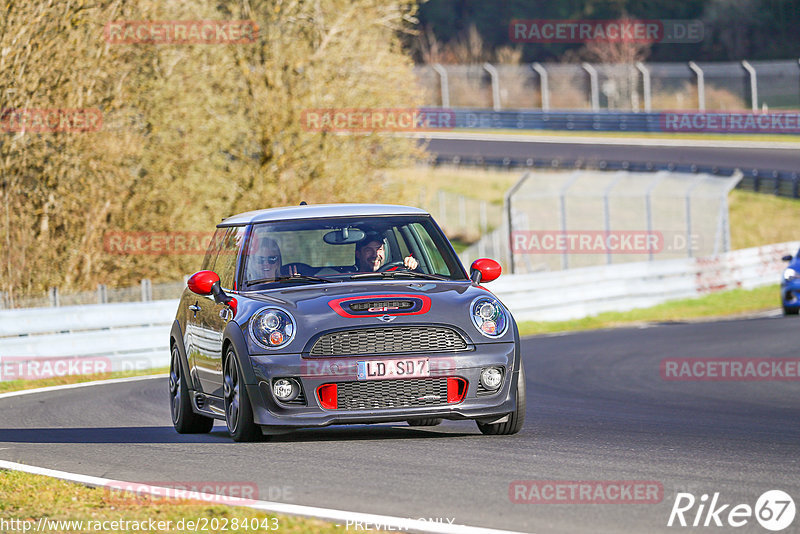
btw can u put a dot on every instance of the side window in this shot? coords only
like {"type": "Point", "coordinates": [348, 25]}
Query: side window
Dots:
{"type": "Point", "coordinates": [213, 249]}
{"type": "Point", "coordinates": [439, 265]}
{"type": "Point", "coordinates": [225, 266]}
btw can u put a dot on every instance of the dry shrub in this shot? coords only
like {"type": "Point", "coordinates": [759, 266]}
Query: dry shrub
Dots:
{"type": "Point", "coordinates": [191, 134]}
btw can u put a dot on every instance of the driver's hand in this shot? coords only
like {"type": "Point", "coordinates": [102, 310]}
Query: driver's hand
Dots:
{"type": "Point", "coordinates": [293, 270]}
{"type": "Point", "coordinates": [410, 262]}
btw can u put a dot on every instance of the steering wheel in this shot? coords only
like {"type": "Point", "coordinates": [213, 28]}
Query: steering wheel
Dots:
{"type": "Point", "coordinates": [391, 266]}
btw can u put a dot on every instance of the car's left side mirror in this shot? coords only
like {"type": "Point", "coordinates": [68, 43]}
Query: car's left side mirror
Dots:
{"type": "Point", "coordinates": [484, 270]}
{"type": "Point", "coordinates": [788, 257]}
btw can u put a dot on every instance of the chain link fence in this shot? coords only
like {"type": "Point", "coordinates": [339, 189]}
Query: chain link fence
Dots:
{"type": "Point", "coordinates": [557, 220]}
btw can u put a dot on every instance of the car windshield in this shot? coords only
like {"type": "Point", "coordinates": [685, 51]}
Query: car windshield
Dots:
{"type": "Point", "coordinates": [339, 249]}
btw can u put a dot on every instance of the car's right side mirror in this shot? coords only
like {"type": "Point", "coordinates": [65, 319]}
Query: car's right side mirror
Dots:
{"type": "Point", "coordinates": [484, 270]}
{"type": "Point", "coordinates": [202, 282]}
{"type": "Point", "coordinates": [788, 257]}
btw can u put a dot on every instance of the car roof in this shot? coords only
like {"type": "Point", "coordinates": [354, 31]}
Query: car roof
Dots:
{"type": "Point", "coordinates": [317, 211]}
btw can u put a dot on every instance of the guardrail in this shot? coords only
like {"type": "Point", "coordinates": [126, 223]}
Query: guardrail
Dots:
{"type": "Point", "coordinates": [135, 335]}
{"type": "Point", "coordinates": [577, 293]}
{"type": "Point", "coordinates": [111, 337]}
{"type": "Point", "coordinates": [768, 181]}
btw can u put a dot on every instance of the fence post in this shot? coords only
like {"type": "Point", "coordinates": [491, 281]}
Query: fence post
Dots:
{"type": "Point", "coordinates": [495, 85]}
{"type": "Point", "coordinates": [646, 88]}
{"type": "Point", "coordinates": [753, 84]}
{"type": "Point", "coordinates": [444, 87]}
{"type": "Point", "coordinates": [594, 86]}
{"type": "Point", "coordinates": [484, 218]}
{"type": "Point", "coordinates": [102, 294]}
{"type": "Point", "coordinates": [442, 215]}
{"type": "Point", "coordinates": [3, 300]}
{"type": "Point", "coordinates": [649, 209]}
{"type": "Point", "coordinates": [562, 196]}
{"type": "Point", "coordinates": [147, 290]}
{"type": "Point", "coordinates": [462, 213]}
{"type": "Point", "coordinates": [53, 294]}
{"type": "Point", "coordinates": [701, 86]}
{"type": "Point", "coordinates": [544, 85]}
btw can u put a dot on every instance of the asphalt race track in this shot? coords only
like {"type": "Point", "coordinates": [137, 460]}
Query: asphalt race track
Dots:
{"type": "Point", "coordinates": [597, 410]}
{"type": "Point", "coordinates": [593, 154]}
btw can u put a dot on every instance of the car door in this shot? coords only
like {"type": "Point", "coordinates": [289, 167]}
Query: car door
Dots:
{"type": "Point", "coordinates": [212, 317]}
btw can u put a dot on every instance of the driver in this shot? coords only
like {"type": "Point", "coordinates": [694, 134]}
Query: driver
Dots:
{"type": "Point", "coordinates": [371, 254]}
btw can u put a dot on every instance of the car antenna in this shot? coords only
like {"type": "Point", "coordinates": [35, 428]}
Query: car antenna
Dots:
{"type": "Point", "coordinates": [303, 203]}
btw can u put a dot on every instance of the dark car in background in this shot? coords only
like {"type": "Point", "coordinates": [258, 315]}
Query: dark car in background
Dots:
{"type": "Point", "coordinates": [790, 285]}
{"type": "Point", "coordinates": [285, 328]}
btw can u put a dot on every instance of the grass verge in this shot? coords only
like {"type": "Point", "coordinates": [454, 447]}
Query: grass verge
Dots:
{"type": "Point", "coordinates": [28, 497]}
{"type": "Point", "coordinates": [721, 304]}
{"type": "Point", "coordinates": [16, 385]}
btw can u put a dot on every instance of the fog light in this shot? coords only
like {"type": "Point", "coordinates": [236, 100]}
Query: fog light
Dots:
{"type": "Point", "coordinates": [491, 377]}
{"type": "Point", "coordinates": [285, 389]}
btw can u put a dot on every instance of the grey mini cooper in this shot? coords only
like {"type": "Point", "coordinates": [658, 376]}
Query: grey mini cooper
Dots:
{"type": "Point", "coordinates": [309, 316]}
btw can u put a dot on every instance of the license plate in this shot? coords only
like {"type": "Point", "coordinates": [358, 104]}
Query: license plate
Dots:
{"type": "Point", "coordinates": [383, 369]}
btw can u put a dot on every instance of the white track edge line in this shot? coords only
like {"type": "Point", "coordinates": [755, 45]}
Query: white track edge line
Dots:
{"type": "Point", "coordinates": [80, 385]}
{"type": "Point", "coordinates": [615, 141]}
{"type": "Point", "coordinates": [289, 509]}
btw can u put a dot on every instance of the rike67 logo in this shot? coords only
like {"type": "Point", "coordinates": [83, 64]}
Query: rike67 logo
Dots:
{"type": "Point", "coordinates": [774, 510]}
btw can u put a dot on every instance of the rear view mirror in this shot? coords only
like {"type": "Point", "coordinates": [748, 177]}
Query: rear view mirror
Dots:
{"type": "Point", "coordinates": [344, 236]}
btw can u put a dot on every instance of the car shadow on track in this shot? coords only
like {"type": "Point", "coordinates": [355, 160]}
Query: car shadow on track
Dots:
{"type": "Point", "coordinates": [167, 434]}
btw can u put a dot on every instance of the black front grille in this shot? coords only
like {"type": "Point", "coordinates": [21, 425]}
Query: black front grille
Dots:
{"type": "Point", "coordinates": [389, 340]}
{"type": "Point", "coordinates": [378, 394]}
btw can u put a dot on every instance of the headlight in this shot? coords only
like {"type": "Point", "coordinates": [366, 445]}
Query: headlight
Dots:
{"type": "Point", "coordinates": [272, 328]}
{"type": "Point", "coordinates": [789, 274]}
{"type": "Point", "coordinates": [489, 316]}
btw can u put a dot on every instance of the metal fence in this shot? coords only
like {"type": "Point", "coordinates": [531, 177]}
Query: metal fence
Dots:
{"type": "Point", "coordinates": [144, 292]}
{"type": "Point", "coordinates": [560, 220]}
{"type": "Point", "coordinates": [744, 85]}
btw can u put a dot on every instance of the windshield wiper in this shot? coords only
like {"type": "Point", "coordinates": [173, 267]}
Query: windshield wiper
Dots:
{"type": "Point", "coordinates": [393, 274]}
{"type": "Point", "coordinates": [293, 277]}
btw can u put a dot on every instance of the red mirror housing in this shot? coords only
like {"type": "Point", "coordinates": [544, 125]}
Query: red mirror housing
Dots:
{"type": "Point", "coordinates": [202, 282]}
{"type": "Point", "coordinates": [488, 269]}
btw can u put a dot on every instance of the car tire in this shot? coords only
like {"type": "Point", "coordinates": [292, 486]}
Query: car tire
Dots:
{"type": "Point", "coordinates": [184, 419]}
{"type": "Point", "coordinates": [238, 410]}
{"type": "Point", "coordinates": [790, 311]}
{"type": "Point", "coordinates": [515, 418]}
{"type": "Point", "coordinates": [424, 421]}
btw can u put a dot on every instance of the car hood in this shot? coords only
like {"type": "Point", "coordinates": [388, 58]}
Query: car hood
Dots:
{"type": "Point", "coordinates": [321, 307]}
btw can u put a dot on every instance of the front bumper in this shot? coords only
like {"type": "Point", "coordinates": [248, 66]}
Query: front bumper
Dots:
{"type": "Point", "coordinates": [314, 372]}
{"type": "Point", "coordinates": [790, 293]}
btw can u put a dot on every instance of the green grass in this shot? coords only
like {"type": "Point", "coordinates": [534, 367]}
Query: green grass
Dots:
{"type": "Point", "coordinates": [721, 304]}
{"type": "Point", "coordinates": [17, 385]}
{"type": "Point", "coordinates": [30, 497]}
